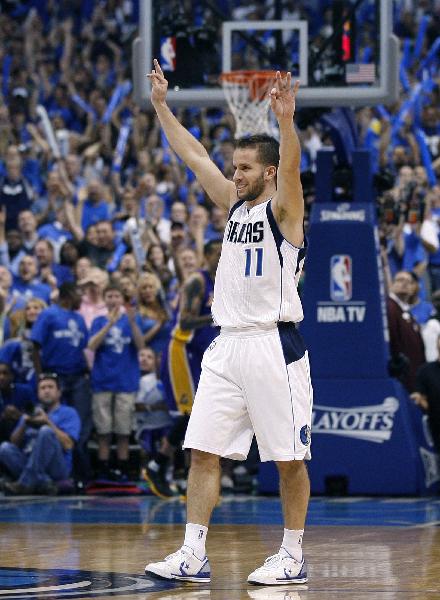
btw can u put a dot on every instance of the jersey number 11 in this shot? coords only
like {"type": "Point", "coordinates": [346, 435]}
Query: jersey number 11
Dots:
{"type": "Point", "coordinates": [259, 261]}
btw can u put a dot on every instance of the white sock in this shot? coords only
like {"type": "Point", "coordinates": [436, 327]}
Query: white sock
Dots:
{"type": "Point", "coordinates": [292, 542]}
{"type": "Point", "coordinates": [195, 538]}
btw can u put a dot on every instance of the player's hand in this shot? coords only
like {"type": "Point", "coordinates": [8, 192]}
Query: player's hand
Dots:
{"type": "Point", "coordinates": [282, 97]}
{"type": "Point", "coordinates": [159, 85]}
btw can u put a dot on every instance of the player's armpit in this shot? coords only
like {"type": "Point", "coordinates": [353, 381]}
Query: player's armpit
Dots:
{"type": "Point", "coordinates": [289, 216]}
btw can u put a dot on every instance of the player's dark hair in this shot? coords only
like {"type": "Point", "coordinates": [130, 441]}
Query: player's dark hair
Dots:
{"type": "Point", "coordinates": [268, 148]}
{"type": "Point", "coordinates": [209, 246]}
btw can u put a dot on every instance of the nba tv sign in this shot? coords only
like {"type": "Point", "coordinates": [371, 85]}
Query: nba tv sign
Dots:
{"type": "Point", "coordinates": [341, 308]}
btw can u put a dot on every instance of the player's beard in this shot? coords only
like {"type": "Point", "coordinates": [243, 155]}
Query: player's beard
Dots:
{"type": "Point", "coordinates": [254, 190]}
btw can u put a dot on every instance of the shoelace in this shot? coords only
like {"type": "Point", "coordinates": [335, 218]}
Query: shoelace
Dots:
{"type": "Point", "coordinates": [276, 558]}
{"type": "Point", "coordinates": [273, 559]}
{"type": "Point", "coordinates": [179, 552]}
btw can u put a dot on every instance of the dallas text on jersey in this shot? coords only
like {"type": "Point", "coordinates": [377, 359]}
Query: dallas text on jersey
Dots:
{"type": "Point", "coordinates": [245, 233]}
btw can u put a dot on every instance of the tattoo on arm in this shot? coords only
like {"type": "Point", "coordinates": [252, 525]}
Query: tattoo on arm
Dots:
{"type": "Point", "coordinates": [191, 303]}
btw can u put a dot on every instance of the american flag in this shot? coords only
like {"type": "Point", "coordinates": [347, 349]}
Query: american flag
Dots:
{"type": "Point", "coordinates": [360, 73]}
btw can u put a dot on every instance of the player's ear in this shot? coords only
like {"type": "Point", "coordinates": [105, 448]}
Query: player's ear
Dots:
{"type": "Point", "coordinates": [270, 173]}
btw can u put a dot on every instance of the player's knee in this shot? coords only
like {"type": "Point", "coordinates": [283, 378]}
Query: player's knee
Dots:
{"type": "Point", "coordinates": [204, 460]}
{"type": "Point", "coordinates": [290, 468]}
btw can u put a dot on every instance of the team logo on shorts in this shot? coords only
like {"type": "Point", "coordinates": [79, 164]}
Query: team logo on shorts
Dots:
{"type": "Point", "coordinates": [212, 345]}
{"type": "Point", "coordinates": [305, 435]}
{"type": "Point", "coordinates": [340, 278]}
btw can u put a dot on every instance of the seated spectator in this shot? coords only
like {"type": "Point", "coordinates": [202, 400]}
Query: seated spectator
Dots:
{"type": "Point", "coordinates": [116, 340]}
{"type": "Point", "coordinates": [152, 417]}
{"type": "Point", "coordinates": [14, 399]}
{"type": "Point", "coordinates": [39, 453]}
{"type": "Point", "coordinates": [154, 319]}
{"type": "Point", "coordinates": [427, 394]}
{"type": "Point", "coordinates": [406, 343]}
{"type": "Point", "coordinates": [431, 330]}
{"type": "Point", "coordinates": [17, 352]}
{"type": "Point", "coordinates": [92, 302]}
{"type": "Point", "coordinates": [48, 269]}
{"type": "Point", "coordinates": [26, 285]}
{"type": "Point", "coordinates": [60, 336]}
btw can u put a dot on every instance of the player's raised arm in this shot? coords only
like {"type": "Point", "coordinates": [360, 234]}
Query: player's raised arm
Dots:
{"type": "Point", "coordinates": [187, 147]}
{"type": "Point", "coordinates": [288, 203]}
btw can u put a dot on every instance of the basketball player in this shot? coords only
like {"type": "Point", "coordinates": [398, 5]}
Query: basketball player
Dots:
{"type": "Point", "coordinates": [255, 374]}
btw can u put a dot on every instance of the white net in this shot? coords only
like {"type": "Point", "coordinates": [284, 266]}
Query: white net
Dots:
{"type": "Point", "coordinates": [247, 96]}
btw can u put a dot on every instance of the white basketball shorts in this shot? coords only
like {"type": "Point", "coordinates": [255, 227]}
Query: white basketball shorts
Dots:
{"type": "Point", "coordinates": [254, 381]}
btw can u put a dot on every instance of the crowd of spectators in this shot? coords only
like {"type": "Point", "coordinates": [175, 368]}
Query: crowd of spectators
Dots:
{"type": "Point", "coordinates": [106, 230]}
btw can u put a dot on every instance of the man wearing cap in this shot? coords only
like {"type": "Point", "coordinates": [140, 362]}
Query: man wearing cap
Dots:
{"type": "Point", "coordinates": [39, 452]}
{"type": "Point", "coordinates": [60, 336]}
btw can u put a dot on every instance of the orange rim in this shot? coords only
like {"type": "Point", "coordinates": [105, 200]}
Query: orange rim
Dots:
{"type": "Point", "coordinates": [258, 82]}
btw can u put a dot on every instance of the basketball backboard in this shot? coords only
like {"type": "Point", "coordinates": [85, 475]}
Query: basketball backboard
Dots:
{"type": "Point", "coordinates": [345, 56]}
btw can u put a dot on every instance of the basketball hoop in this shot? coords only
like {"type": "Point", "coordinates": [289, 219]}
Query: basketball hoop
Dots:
{"type": "Point", "coordinates": [247, 93]}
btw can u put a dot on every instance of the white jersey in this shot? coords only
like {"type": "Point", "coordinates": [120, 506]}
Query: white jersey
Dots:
{"type": "Point", "coordinates": [258, 272]}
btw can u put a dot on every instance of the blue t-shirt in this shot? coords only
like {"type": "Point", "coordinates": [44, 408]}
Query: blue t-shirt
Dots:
{"type": "Point", "coordinates": [17, 353]}
{"type": "Point", "coordinates": [62, 335]}
{"type": "Point", "coordinates": [55, 233]}
{"type": "Point", "coordinates": [92, 213]}
{"type": "Point", "coordinates": [116, 366]}
{"type": "Point", "coordinates": [24, 291]}
{"type": "Point", "coordinates": [20, 395]}
{"type": "Point", "coordinates": [159, 342]}
{"type": "Point", "coordinates": [422, 311]}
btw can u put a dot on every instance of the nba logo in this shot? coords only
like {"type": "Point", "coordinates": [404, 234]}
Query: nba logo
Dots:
{"type": "Point", "coordinates": [168, 53]}
{"type": "Point", "coordinates": [340, 277]}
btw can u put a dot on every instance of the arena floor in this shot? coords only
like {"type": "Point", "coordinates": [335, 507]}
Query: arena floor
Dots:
{"type": "Point", "coordinates": [90, 547]}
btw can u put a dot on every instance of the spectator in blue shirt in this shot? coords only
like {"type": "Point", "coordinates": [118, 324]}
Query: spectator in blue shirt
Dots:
{"type": "Point", "coordinates": [60, 336]}
{"type": "Point", "coordinates": [15, 193]}
{"type": "Point", "coordinates": [115, 339]}
{"type": "Point", "coordinates": [17, 351]}
{"type": "Point", "coordinates": [26, 285]}
{"type": "Point", "coordinates": [48, 268]}
{"type": "Point", "coordinates": [40, 449]}
{"type": "Point", "coordinates": [94, 208]}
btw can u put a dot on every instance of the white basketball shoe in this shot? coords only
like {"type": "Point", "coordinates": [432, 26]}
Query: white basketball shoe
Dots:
{"type": "Point", "coordinates": [182, 565]}
{"type": "Point", "coordinates": [280, 569]}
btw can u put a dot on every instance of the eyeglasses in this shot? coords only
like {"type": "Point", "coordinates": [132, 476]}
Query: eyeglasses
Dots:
{"type": "Point", "coordinates": [42, 376]}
